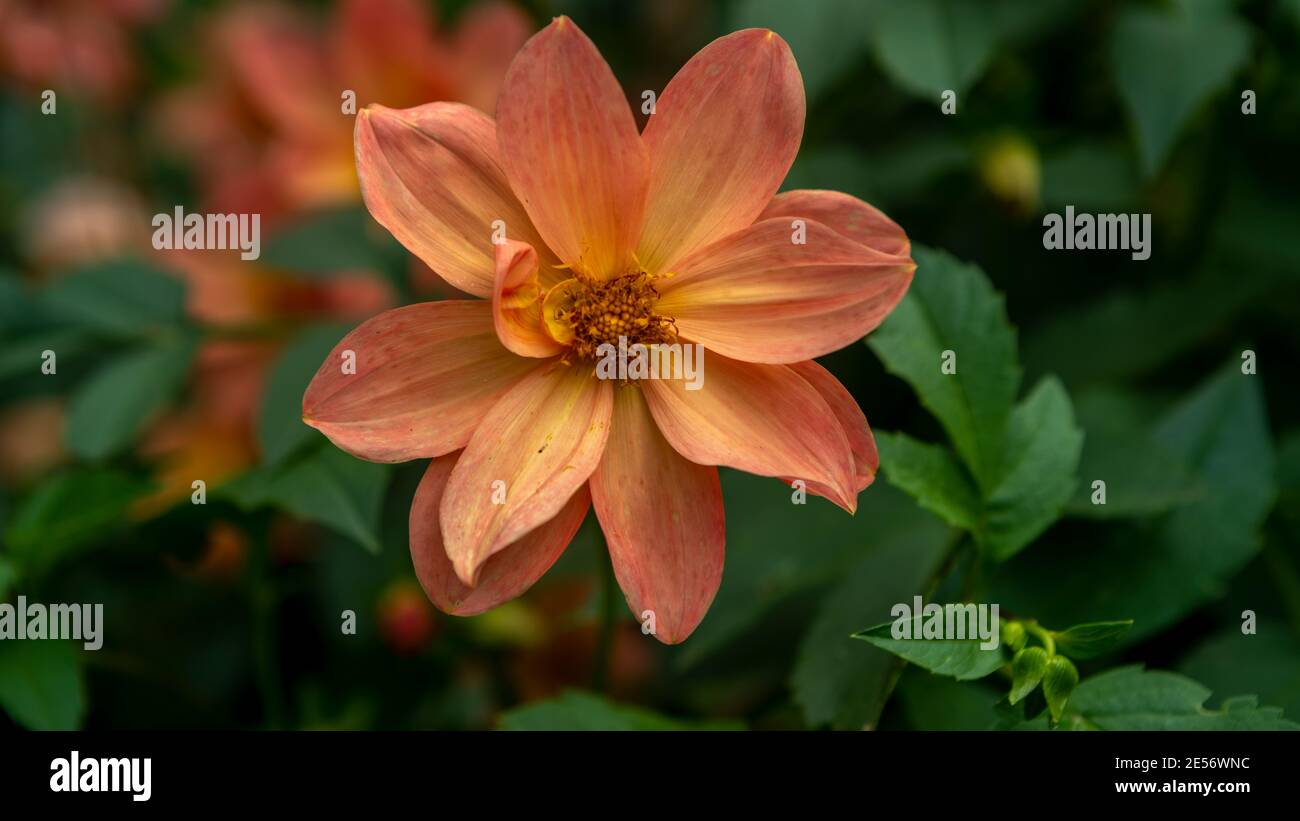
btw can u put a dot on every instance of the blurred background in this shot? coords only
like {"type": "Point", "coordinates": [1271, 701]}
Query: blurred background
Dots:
{"type": "Point", "coordinates": [177, 365]}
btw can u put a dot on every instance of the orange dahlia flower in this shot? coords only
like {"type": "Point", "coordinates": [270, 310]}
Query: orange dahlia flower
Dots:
{"type": "Point", "coordinates": [674, 234]}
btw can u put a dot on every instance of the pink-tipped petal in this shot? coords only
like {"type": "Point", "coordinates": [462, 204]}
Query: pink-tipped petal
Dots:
{"type": "Point", "coordinates": [507, 574]}
{"type": "Point", "coordinates": [570, 147]}
{"type": "Point", "coordinates": [532, 451]}
{"type": "Point", "coordinates": [762, 419]}
{"type": "Point", "coordinates": [848, 215]}
{"type": "Point", "coordinates": [431, 176]}
{"type": "Point", "coordinates": [517, 302]}
{"type": "Point", "coordinates": [865, 458]}
{"type": "Point", "coordinates": [721, 139]}
{"type": "Point", "coordinates": [425, 375]}
{"type": "Point", "coordinates": [783, 291]}
{"type": "Point", "coordinates": [663, 521]}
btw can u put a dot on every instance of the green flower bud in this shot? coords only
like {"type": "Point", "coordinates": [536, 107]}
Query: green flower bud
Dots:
{"type": "Point", "coordinates": [1059, 681]}
{"type": "Point", "coordinates": [1026, 671]}
{"type": "Point", "coordinates": [1014, 635]}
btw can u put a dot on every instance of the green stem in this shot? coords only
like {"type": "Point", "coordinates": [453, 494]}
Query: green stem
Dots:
{"type": "Point", "coordinates": [1049, 644]}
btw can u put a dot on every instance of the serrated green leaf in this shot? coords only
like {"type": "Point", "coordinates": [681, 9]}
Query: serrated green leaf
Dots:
{"type": "Point", "coordinates": [1166, 64]}
{"type": "Point", "coordinates": [106, 413]}
{"type": "Point", "coordinates": [1266, 662]}
{"type": "Point", "coordinates": [280, 429]}
{"type": "Point", "coordinates": [952, 307]}
{"type": "Point", "coordinates": [1039, 472]}
{"type": "Point", "coordinates": [575, 710]}
{"type": "Point", "coordinates": [1130, 698]}
{"type": "Point", "coordinates": [1086, 641]}
{"type": "Point", "coordinates": [962, 659]}
{"type": "Point", "coordinates": [125, 297]}
{"type": "Point", "coordinates": [41, 684]}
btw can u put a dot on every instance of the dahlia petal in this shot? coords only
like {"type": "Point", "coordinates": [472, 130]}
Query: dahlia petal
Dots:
{"type": "Point", "coordinates": [706, 180]}
{"type": "Point", "coordinates": [517, 302]}
{"type": "Point", "coordinates": [532, 451]}
{"type": "Point", "coordinates": [281, 66]}
{"type": "Point", "coordinates": [845, 214]}
{"type": "Point", "coordinates": [663, 521]}
{"type": "Point", "coordinates": [866, 460]}
{"type": "Point", "coordinates": [570, 147]}
{"type": "Point", "coordinates": [386, 50]}
{"type": "Point", "coordinates": [504, 576]}
{"type": "Point", "coordinates": [487, 37]}
{"type": "Point", "coordinates": [425, 376]}
{"type": "Point", "coordinates": [761, 296]}
{"type": "Point", "coordinates": [762, 419]}
{"type": "Point", "coordinates": [431, 176]}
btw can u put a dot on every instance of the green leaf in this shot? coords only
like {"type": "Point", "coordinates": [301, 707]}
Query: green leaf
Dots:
{"type": "Point", "coordinates": [837, 681]}
{"type": "Point", "coordinates": [952, 307]}
{"type": "Point", "coordinates": [928, 702]}
{"type": "Point", "coordinates": [1039, 471]}
{"type": "Point", "coordinates": [962, 659]}
{"type": "Point", "coordinates": [1086, 641]}
{"type": "Point", "coordinates": [326, 486]}
{"type": "Point", "coordinates": [1167, 64]}
{"type": "Point", "coordinates": [1267, 663]}
{"type": "Point", "coordinates": [125, 297]}
{"type": "Point", "coordinates": [69, 509]}
{"type": "Point", "coordinates": [1142, 477]}
{"type": "Point", "coordinates": [280, 429]}
{"type": "Point", "coordinates": [106, 413]}
{"type": "Point", "coordinates": [1130, 698]}
{"type": "Point", "coordinates": [929, 46]}
{"type": "Point", "coordinates": [932, 475]}
{"type": "Point", "coordinates": [41, 684]}
{"type": "Point", "coordinates": [25, 354]}
{"type": "Point", "coordinates": [331, 242]}
{"type": "Point", "coordinates": [575, 710]}
{"type": "Point", "coordinates": [1157, 571]}
{"type": "Point", "coordinates": [1027, 668]}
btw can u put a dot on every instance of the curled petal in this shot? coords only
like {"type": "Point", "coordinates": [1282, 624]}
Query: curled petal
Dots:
{"type": "Point", "coordinates": [782, 291]}
{"type": "Point", "coordinates": [663, 521]}
{"type": "Point", "coordinates": [529, 455]}
{"type": "Point", "coordinates": [425, 375]}
{"type": "Point", "coordinates": [507, 574]}
{"type": "Point", "coordinates": [721, 139]}
{"type": "Point", "coordinates": [845, 214]}
{"type": "Point", "coordinates": [570, 147]}
{"type": "Point", "coordinates": [865, 458]}
{"type": "Point", "coordinates": [762, 419]}
{"type": "Point", "coordinates": [517, 302]}
{"type": "Point", "coordinates": [431, 176]}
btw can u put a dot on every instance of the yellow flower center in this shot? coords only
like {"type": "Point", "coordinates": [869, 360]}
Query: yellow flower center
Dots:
{"type": "Point", "coordinates": [585, 313]}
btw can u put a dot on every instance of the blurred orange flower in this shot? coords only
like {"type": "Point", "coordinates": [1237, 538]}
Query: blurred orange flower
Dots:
{"type": "Point", "coordinates": [271, 133]}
